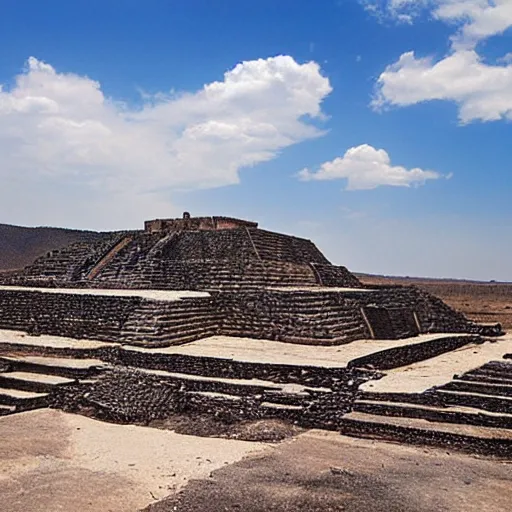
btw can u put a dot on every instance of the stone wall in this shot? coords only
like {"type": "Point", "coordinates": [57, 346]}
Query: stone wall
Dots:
{"type": "Point", "coordinates": [204, 275]}
{"type": "Point", "coordinates": [196, 223]}
{"type": "Point", "coordinates": [276, 246]}
{"type": "Point", "coordinates": [68, 264]}
{"type": "Point", "coordinates": [108, 318]}
{"type": "Point", "coordinates": [335, 276]}
{"type": "Point", "coordinates": [291, 316]}
{"type": "Point", "coordinates": [335, 317]}
{"type": "Point", "coordinates": [231, 369]}
{"type": "Point", "coordinates": [77, 316]}
{"type": "Point", "coordinates": [432, 313]}
{"type": "Point", "coordinates": [127, 394]}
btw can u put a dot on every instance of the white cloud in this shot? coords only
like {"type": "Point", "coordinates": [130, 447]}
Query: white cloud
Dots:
{"type": "Point", "coordinates": [475, 20]}
{"type": "Point", "coordinates": [506, 59]}
{"type": "Point", "coordinates": [482, 91]}
{"type": "Point", "coordinates": [60, 132]}
{"type": "Point", "coordinates": [365, 167]}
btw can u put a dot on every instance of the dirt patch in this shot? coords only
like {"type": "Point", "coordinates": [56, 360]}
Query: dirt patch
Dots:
{"type": "Point", "coordinates": [54, 486]}
{"type": "Point", "coordinates": [47, 437]}
{"type": "Point", "coordinates": [321, 471]}
{"type": "Point", "coordinates": [51, 460]}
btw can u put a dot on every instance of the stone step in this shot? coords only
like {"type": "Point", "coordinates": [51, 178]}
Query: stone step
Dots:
{"type": "Point", "coordinates": [170, 327]}
{"type": "Point", "coordinates": [280, 407]}
{"type": "Point", "coordinates": [61, 351]}
{"type": "Point", "coordinates": [480, 387]}
{"type": "Point", "coordinates": [216, 396]}
{"type": "Point", "coordinates": [473, 377]}
{"type": "Point", "coordinates": [487, 402]}
{"type": "Point", "coordinates": [22, 400]}
{"type": "Point", "coordinates": [277, 397]}
{"type": "Point", "coordinates": [6, 409]}
{"type": "Point", "coordinates": [165, 341]}
{"type": "Point", "coordinates": [404, 355]}
{"type": "Point", "coordinates": [474, 439]}
{"type": "Point", "coordinates": [441, 397]}
{"type": "Point", "coordinates": [194, 329]}
{"type": "Point", "coordinates": [501, 366]}
{"type": "Point", "coordinates": [489, 374]}
{"type": "Point", "coordinates": [181, 306]}
{"type": "Point", "coordinates": [460, 415]}
{"type": "Point", "coordinates": [60, 366]}
{"type": "Point", "coordinates": [286, 338]}
{"type": "Point", "coordinates": [170, 316]}
{"type": "Point", "coordinates": [228, 399]}
{"type": "Point", "coordinates": [279, 393]}
{"type": "Point", "coordinates": [36, 382]}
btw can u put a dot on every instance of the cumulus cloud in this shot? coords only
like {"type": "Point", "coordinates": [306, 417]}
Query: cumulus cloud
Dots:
{"type": "Point", "coordinates": [506, 59]}
{"type": "Point", "coordinates": [481, 90]}
{"type": "Point", "coordinates": [365, 167]}
{"type": "Point", "coordinates": [59, 131]}
{"type": "Point", "coordinates": [475, 20]}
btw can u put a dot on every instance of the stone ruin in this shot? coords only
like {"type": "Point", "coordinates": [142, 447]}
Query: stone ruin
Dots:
{"type": "Point", "coordinates": [231, 279]}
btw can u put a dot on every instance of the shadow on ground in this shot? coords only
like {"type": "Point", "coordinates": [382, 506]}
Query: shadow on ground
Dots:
{"type": "Point", "coordinates": [320, 471]}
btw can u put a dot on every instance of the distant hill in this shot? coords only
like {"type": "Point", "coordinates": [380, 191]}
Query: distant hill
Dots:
{"type": "Point", "coordinates": [20, 246]}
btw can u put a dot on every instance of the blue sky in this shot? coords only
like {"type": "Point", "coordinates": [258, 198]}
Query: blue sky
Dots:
{"type": "Point", "coordinates": [379, 129]}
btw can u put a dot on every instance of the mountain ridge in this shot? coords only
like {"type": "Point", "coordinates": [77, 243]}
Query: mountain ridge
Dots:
{"type": "Point", "coordinates": [21, 245]}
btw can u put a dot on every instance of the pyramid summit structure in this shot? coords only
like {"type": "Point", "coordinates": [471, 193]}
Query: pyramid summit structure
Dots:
{"type": "Point", "coordinates": [190, 253]}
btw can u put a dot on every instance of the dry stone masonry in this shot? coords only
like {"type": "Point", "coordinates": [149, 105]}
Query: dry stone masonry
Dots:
{"type": "Point", "coordinates": [260, 285]}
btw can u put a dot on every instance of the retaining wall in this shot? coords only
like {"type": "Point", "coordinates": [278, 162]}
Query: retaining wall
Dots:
{"type": "Point", "coordinates": [291, 316]}
{"type": "Point", "coordinates": [107, 318]}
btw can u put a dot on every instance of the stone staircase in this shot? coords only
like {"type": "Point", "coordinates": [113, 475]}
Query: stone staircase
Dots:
{"type": "Point", "coordinates": [332, 275]}
{"type": "Point", "coordinates": [107, 258]}
{"type": "Point", "coordinates": [243, 398]}
{"type": "Point", "coordinates": [155, 273]}
{"type": "Point", "coordinates": [275, 246]}
{"type": "Point", "coordinates": [297, 317]}
{"type": "Point", "coordinates": [72, 262]}
{"type": "Point", "coordinates": [29, 381]}
{"type": "Point", "coordinates": [472, 411]}
{"type": "Point", "coordinates": [256, 275]}
{"type": "Point", "coordinates": [227, 389]}
{"type": "Point", "coordinates": [170, 323]}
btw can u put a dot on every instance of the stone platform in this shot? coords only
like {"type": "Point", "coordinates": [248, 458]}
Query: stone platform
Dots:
{"type": "Point", "coordinates": [236, 379]}
{"type": "Point", "coordinates": [250, 350]}
{"type": "Point", "coordinates": [315, 316]}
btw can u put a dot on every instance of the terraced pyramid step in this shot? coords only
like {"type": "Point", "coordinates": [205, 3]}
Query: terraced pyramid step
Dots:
{"type": "Point", "coordinates": [18, 342]}
{"type": "Point", "coordinates": [407, 354]}
{"type": "Point", "coordinates": [487, 402]}
{"type": "Point", "coordinates": [36, 382]}
{"type": "Point", "coordinates": [223, 402]}
{"type": "Point", "coordinates": [288, 393]}
{"type": "Point", "coordinates": [281, 407]}
{"type": "Point", "coordinates": [60, 366]}
{"type": "Point", "coordinates": [7, 409]}
{"type": "Point", "coordinates": [22, 400]}
{"type": "Point", "coordinates": [461, 384]}
{"type": "Point", "coordinates": [475, 439]}
{"type": "Point", "coordinates": [437, 371]}
{"type": "Point", "coordinates": [447, 414]}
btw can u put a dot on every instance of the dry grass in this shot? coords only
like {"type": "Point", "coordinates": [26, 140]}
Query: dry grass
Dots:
{"type": "Point", "coordinates": [479, 301]}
